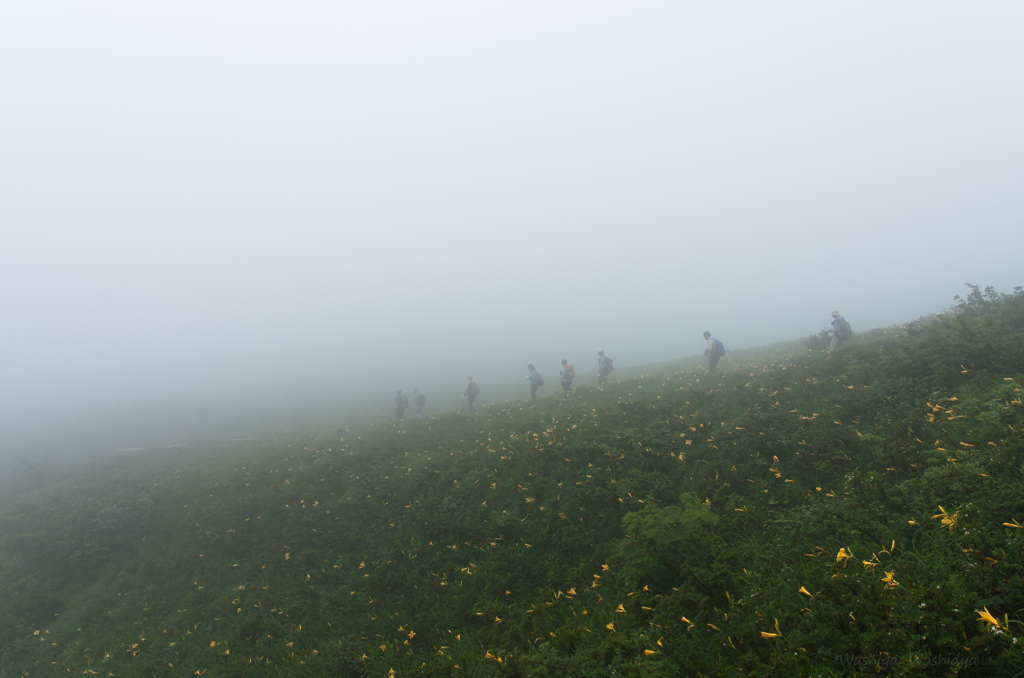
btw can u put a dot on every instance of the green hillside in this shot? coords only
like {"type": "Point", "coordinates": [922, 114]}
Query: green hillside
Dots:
{"type": "Point", "coordinates": [795, 515]}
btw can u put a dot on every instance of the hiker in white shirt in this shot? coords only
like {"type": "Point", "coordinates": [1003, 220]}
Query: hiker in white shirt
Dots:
{"type": "Point", "coordinates": [837, 332]}
{"type": "Point", "coordinates": [712, 352]}
{"type": "Point", "coordinates": [471, 392]}
{"type": "Point", "coordinates": [603, 367]}
{"type": "Point", "coordinates": [418, 401]}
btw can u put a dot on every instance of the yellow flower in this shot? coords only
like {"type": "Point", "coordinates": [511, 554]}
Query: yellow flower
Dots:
{"type": "Point", "coordinates": [947, 519]}
{"type": "Point", "coordinates": [890, 583]}
{"type": "Point", "coordinates": [610, 626]}
{"type": "Point", "coordinates": [986, 616]}
{"type": "Point", "coordinates": [765, 634]}
{"type": "Point", "coordinates": [805, 591]}
{"type": "Point", "coordinates": [843, 555]}
{"type": "Point", "coordinates": [648, 653]}
{"type": "Point", "coordinates": [620, 608]}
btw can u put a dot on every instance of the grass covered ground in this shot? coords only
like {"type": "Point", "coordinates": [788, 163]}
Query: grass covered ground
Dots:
{"type": "Point", "coordinates": [796, 515]}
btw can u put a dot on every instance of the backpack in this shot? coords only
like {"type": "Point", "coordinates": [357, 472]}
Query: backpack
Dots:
{"type": "Point", "coordinates": [720, 347]}
{"type": "Point", "coordinates": [569, 373]}
{"type": "Point", "coordinates": [608, 367]}
{"type": "Point", "coordinates": [845, 327]}
{"type": "Point", "coordinates": [540, 380]}
{"type": "Point", "coordinates": [421, 400]}
{"type": "Point", "coordinates": [474, 390]}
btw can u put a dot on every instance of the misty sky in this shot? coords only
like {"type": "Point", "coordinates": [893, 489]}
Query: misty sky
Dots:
{"type": "Point", "coordinates": [221, 199]}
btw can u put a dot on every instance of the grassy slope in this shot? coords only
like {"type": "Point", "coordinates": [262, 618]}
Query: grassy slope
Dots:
{"type": "Point", "coordinates": [669, 520]}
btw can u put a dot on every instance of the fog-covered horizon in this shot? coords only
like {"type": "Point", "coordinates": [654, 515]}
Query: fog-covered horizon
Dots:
{"type": "Point", "coordinates": [252, 202]}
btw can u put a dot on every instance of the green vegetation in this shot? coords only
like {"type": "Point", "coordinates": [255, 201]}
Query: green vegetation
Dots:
{"type": "Point", "coordinates": [797, 515]}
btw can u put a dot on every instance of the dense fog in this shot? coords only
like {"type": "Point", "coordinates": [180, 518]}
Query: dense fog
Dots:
{"type": "Point", "coordinates": [285, 211]}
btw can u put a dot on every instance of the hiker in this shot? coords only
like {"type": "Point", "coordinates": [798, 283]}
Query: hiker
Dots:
{"type": "Point", "coordinates": [419, 401]}
{"type": "Point", "coordinates": [604, 367]}
{"type": "Point", "coordinates": [568, 374]}
{"type": "Point", "coordinates": [471, 392]}
{"type": "Point", "coordinates": [714, 352]}
{"type": "Point", "coordinates": [536, 381]}
{"type": "Point", "coordinates": [840, 331]}
{"type": "Point", "coordinates": [401, 403]}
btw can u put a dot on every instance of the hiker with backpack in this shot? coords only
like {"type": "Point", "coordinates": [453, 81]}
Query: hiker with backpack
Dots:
{"type": "Point", "coordinates": [604, 367]}
{"type": "Point", "coordinates": [714, 352]}
{"type": "Point", "coordinates": [840, 331]}
{"type": "Point", "coordinates": [419, 401]}
{"type": "Point", "coordinates": [471, 392]}
{"type": "Point", "coordinates": [568, 374]}
{"type": "Point", "coordinates": [401, 404]}
{"type": "Point", "coordinates": [536, 381]}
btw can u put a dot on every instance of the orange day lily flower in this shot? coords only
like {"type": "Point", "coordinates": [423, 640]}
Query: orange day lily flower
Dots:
{"type": "Point", "coordinates": [986, 616]}
{"type": "Point", "coordinates": [947, 519]}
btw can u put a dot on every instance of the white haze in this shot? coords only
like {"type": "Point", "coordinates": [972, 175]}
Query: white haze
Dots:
{"type": "Point", "coordinates": [259, 201]}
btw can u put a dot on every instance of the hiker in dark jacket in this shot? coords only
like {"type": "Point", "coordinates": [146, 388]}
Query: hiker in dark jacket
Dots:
{"type": "Point", "coordinates": [567, 376]}
{"type": "Point", "coordinates": [471, 392]}
{"type": "Point", "coordinates": [712, 352]}
{"type": "Point", "coordinates": [401, 403]}
{"type": "Point", "coordinates": [838, 331]}
{"type": "Point", "coordinates": [536, 381]}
